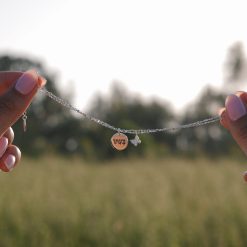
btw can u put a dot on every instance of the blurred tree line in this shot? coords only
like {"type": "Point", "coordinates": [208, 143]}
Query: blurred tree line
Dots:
{"type": "Point", "coordinates": [54, 129]}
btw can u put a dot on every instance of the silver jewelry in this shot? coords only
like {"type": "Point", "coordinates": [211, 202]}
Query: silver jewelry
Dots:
{"type": "Point", "coordinates": [24, 121]}
{"type": "Point", "coordinates": [136, 132]}
{"type": "Point", "coordinates": [136, 141]}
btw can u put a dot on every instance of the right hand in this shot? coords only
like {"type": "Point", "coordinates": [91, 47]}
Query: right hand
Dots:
{"type": "Point", "coordinates": [17, 90]}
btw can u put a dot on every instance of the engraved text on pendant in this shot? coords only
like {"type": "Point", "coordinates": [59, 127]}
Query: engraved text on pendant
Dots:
{"type": "Point", "coordinates": [119, 141]}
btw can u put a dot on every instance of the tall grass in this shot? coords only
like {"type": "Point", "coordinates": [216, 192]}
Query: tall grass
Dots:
{"type": "Point", "coordinates": [58, 202]}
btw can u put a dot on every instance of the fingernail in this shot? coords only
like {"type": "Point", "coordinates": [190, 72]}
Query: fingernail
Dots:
{"type": "Point", "coordinates": [27, 82]}
{"type": "Point", "coordinates": [3, 145]}
{"type": "Point", "coordinates": [10, 162]}
{"type": "Point", "coordinates": [221, 111]}
{"type": "Point", "coordinates": [42, 81]}
{"type": "Point", "coordinates": [235, 107]}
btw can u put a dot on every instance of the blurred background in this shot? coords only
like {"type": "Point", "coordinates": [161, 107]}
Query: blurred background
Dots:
{"type": "Point", "coordinates": [134, 64]}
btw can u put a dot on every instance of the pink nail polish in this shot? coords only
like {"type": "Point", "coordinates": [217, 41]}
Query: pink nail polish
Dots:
{"type": "Point", "coordinates": [26, 83]}
{"type": "Point", "coordinates": [10, 162]}
{"type": "Point", "coordinates": [3, 145]}
{"type": "Point", "coordinates": [235, 107]}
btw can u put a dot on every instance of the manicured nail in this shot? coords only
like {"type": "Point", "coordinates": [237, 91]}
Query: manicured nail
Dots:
{"type": "Point", "coordinates": [3, 145]}
{"type": "Point", "coordinates": [42, 81]}
{"type": "Point", "coordinates": [221, 111]}
{"type": "Point", "coordinates": [235, 107]}
{"type": "Point", "coordinates": [10, 162]}
{"type": "Point", "coordinates": [26, 83]}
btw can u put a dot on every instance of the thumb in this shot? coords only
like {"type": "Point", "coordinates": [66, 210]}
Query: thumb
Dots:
{"type": "Point", "coordinates": [16, 100]}
{"type": "Point", "coordinates": [235, 118]}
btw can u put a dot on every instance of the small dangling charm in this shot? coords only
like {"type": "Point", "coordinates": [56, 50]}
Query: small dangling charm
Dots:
{"type": "Point", "coordinates": [119, 141]}
{"type": "Point", "coordinates": [136, 141]}
{"type": "Point", "coordinates": [24, 121]}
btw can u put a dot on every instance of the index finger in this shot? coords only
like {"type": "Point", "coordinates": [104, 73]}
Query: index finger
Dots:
{"type": "Point", "coordinates": [243, 96]}
{"type": "Point", "coordinates": [7, 78]}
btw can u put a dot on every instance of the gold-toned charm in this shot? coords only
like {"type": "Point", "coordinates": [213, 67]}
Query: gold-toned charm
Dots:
{"type": "Point", "coordinates": [119, 141]}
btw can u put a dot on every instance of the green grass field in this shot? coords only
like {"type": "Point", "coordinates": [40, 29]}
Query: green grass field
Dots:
{"type": "Point", "coordinates": [58, 202]}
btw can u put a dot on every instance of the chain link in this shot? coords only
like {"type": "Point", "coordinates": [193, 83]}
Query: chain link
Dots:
{"type": "Point", "coordinates": [127, 131]}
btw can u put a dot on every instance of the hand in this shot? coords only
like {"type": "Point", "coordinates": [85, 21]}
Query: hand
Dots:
{"type": "Point", "coordinates": [17, 90]}
{"type": "Point", "coordinates": [234, 118]}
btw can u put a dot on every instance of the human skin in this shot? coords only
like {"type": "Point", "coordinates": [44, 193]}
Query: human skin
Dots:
{"type": "Point", "coordinates": [234, 119]}
{"type": "Point", "coordinates": [17, 90]}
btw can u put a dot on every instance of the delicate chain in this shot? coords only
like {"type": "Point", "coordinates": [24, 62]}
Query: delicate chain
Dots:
{"type": "Point", "coordinates": [127, 131]}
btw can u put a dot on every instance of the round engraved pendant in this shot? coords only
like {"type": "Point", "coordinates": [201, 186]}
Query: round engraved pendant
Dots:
{"type": "Point", "coordinates": [119, 141]}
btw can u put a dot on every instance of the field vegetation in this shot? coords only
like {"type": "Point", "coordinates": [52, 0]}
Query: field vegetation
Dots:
{"type": "Point", "coordinates": [65, 202]}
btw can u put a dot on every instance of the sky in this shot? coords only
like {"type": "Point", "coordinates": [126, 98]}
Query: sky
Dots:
{"type": "Point", "coordinates": [164, 49]}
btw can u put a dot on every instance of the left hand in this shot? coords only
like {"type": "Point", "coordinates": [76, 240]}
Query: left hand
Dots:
{"type": "Point", "coordinates": [234, 119]}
